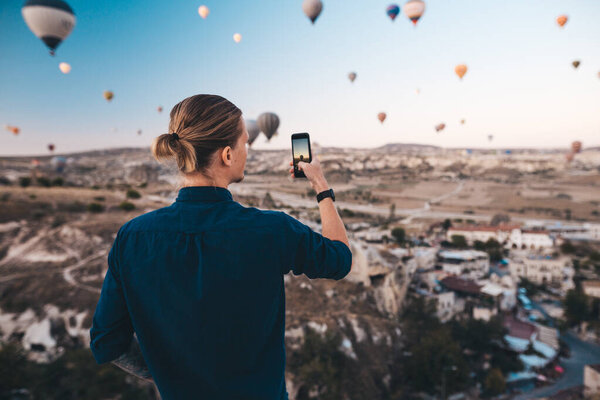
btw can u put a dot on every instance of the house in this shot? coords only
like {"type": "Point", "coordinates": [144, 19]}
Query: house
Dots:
{"type": "Point", "coordinates": [448, 305]}
{"type": "Point", "coordinates": [591, 288]}
{"type": "Point", "coordinates": [541, 269]}
{"type": "Point", "coordinates": [470, 263]}
{"type": "Point", "coordinates": [484, 313]}
{"type": "Point", "coordinates": [511, 236]}
{"type": "Point", "coordinates": [522, 335]}
{"type": "Point", "coordinates": [591, 379]}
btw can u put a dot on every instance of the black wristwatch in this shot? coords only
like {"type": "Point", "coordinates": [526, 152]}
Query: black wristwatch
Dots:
{"type": "Point", "coordinates": [324, 194]}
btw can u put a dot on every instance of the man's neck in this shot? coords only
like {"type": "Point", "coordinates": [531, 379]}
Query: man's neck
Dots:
{"type": "Point", "coordinates": [197, 179]}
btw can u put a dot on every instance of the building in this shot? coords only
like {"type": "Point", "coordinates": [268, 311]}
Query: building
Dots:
{"type": "Point", "coordinates": [448, 306]}
{"type": "Point", "coordinates": [555, 271]}
{"type": "Point", "coordinates": [511, 236]}
{"type": "Point", "coordinates": [591, 380]}
{"type": "Point", "coordinates": [591, 288]}
{"type": "Point", "coordinates": [484, 313]}
{"type": "Point", "coordinates": [469, 263]}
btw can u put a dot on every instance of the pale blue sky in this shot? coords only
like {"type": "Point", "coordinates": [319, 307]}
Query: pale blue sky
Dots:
{"type": "Point", "coordinates": [520, 86]}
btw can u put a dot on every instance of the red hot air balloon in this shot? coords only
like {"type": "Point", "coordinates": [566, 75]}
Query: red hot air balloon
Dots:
{"type": "Point", "coordinates": [51, 147]}
{"type": "Point", "coordinates": [381, 117]}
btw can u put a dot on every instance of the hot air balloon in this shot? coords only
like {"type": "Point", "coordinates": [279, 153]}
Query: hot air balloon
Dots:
{"type": "Point", "coordinates": [159, 109]}
{"type": "Point", "coordinates": [490, 137]}
{"type": "Point", "coordinates": [268, 123]}
{"type": "Point", "coordinates": [576, 147]}
{"type": "Point", "coordinates": [14, 129]}
{"type": "Point", "coordinates": [440, 127]}
{"type": "Point", "coordinates": [461, 70]}
{"type": "Point", "coordinates": [237, 37]}
{"type": "Point", "coordinates": [508, 152]}
{"type": "Point", "coordinates": [50, 20]}
{"type": "Point", "coordinates": [64, 67]}
{"type": "Point", "coordinates": [312, 9]}
{"type": "Point", "coordinates": [381, 117]}
{"type": "Point", "coordinates": [58, 163]}
{"type": "Point", "coordinates": [414, 9]}
{"type": "Point", "coordinates": [253, 130]}
{"type": "Point", "coordinates": [392, 11]}
{"type": "Point", "coordinates": [576, 64]}
{"type": "Point", "coordinates": [203, 11]}
{"type": "Point", "coordinates": [108, 95]}
{"type": "Point", "coordinates": [139, 131]}
{"type": "Point", "coordinates": [417, 91]}
{"type": "Point", "coordinates": [598, 74]}
{"type": "Point", "coordinates": [462, 121]}
{"type": "Point", "coordinates": [51, 147]}
{"type": "Point", "coordinates": [352, 76]}
{"type": "Point", "coordinates": [561, 20]}
{"type": "Point", "coordinates": [35, 163]}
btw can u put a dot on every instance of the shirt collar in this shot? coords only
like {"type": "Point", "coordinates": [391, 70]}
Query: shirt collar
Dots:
{"type": "Point", "coordinates": [207, 194]}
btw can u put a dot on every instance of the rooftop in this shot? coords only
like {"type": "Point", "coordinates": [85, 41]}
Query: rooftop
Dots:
{"type": "Point", "coordinates": [591, 284]}
{"type": "Point", "coordinates": [483, 228]}
{"type": "Point", "coordinates": [517, 328]}
{"type": "Point", "coordinates": [461, 285]}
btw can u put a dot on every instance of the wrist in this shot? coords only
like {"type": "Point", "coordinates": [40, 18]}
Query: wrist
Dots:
{"type": "Point", "coordinates": [321, 186]}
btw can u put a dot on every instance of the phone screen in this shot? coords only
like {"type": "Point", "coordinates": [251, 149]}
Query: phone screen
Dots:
{"type": "Point", "coordinates": [300, 147]}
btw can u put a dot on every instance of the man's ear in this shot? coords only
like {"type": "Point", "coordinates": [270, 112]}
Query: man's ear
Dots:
{"type": "Point", "coordinates": [226, 155]}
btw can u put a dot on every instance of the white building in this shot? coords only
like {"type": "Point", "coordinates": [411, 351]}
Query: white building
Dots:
{"type": "Point", "coordinates": [484, 313]}
{"type": "Point", "coordinates": [543, 270]}
{"type": "Point", "coordinates": [511, 236]}
{"type": "Point", "coordinates": [445, 306]}
{"type": "Point", "coordinates": [591, 288]}
{"type": "Point", "coordinates": [466, 263]}
{"type": "Point", "coordinates": [591, 380]}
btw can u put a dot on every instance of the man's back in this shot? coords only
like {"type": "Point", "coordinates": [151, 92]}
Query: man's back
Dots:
{"type": "Point", "coordinates": [201, 283]}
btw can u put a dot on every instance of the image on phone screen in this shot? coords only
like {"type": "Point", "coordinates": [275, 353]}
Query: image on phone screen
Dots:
{"type": "Point", "coordinates": [301, 150]}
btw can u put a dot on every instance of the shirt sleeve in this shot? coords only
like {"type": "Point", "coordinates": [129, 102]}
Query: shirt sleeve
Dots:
{"type": "Point", "coordinates": [111, 331]}
{"type": "Point", "coordinates": [312, 254]}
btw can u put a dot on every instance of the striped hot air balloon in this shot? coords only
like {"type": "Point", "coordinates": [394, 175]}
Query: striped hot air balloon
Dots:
{"type": "Point", "coordinates": [50, 20]}
{"type": "Point", "coordinates": [268, 123]}
{"type": "Point", "coordinates": [312, 9]}
{"type": "Point", "coordinates": [414, 9]}
{"type": "Point", "coordinates": [253, 130]}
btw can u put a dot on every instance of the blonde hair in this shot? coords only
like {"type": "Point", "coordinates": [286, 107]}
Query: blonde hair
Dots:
{"type": "Point", "coordinates": [203, 124]}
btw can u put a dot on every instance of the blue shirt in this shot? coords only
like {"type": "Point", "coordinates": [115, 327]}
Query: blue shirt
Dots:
{"type": "Point", "coordinates": [201, 284]}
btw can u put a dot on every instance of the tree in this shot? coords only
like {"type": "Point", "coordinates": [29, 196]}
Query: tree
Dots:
{"type": "Point", "coordinates": [399, 235]}
{"type": "Point", "coordinates": [319, 365]}
{"type": "Point", "coordinates": [459, 241]}
{"type": "Point", "coordinates": [576, 307]}
{"type": "Point", "coordinates": [133, 194]}
{"type": "Point", "coordinates": [494, 382]}
{"type": "Point", "coordinates": [447, 224]}
{"type": "Point", "coordinates": [24, 181]}
{"type": "Point", "coordinates": [392, 211]}
{"type": "Point", "coordinates": [499, 219]}
{"type": "Point", "coordinates": [567, 247]}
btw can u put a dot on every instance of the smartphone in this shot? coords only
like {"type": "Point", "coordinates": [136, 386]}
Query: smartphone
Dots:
{"type": "Point", "coordinates": [300, 152]}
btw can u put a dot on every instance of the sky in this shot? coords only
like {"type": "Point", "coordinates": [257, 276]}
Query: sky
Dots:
{"type": "Point", "coordinates": [520, 86]}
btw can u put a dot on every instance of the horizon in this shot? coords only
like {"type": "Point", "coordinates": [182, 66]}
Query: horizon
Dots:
{"type": "Point", "coordinates": [287, 65]}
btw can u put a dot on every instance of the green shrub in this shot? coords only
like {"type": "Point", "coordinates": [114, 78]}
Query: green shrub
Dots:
{"type": "Point", "coordinates": [24, 181]}
{"type": "Point", "coordinates": [95, 207]}
{"type": "Point", "coordinates": [58, 181]}
{"type": "Point", "coordinates": [127, 206]}
{"type": "Point", "coordinates": [32, 196]}
{"type": "Point", "coordinates": [143, 185]}
{"type": "Point", "coordinates": [43, 181]}
{"type": "Point", "coordinates": [99, 198]}
{"type": "Point", "coordinates": [5, 197]}
{"type": "Point", "coordinates": [133, 194]}
{"type": "Point", "coordinates": [75, 206]}
{"type": "Point", "coordinates": [4, 181]}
